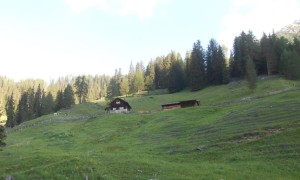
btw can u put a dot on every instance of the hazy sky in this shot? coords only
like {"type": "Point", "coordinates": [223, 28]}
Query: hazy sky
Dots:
{"type": "Point", "coordinates": [50, 38]}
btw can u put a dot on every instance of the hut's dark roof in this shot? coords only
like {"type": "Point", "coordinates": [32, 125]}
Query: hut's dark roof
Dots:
{"type": "Point", "coordinates": [180, 102]}
{"type": "Point", "coordinates": [119, 99]}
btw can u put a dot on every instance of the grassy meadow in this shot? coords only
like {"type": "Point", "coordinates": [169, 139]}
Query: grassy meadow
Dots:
{"type": "Point", "coordinates": [234, 134]}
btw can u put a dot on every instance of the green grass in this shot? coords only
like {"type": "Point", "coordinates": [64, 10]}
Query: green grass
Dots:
{"type": "Point", "coordinates": [224, 138]}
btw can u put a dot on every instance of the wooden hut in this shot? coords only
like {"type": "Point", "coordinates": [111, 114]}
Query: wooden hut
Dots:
{"type": "Point", "coordinates": [118, 105]}
{"type": "Point", "coordinates": [180, 104]}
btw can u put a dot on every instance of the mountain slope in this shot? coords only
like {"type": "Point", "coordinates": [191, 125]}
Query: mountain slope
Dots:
{"type": "Point", "coordinates": [290, 31]}
{"type": "Point", "coordinates": [233, 135]}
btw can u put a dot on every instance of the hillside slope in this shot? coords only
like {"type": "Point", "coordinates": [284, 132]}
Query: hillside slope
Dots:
{"type": "Point", "coordinates": [234, 134]}
{"type": "Point", "coordinates": [290, 31]}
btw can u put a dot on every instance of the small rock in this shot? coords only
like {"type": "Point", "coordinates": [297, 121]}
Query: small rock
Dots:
{"type": "Point", "coordinates": [201, 148]}
{"type": "Point", "coordinates": [9, 177]}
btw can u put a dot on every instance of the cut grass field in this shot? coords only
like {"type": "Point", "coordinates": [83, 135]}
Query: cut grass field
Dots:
{"type": "Point", "coordinates": [234, 134]}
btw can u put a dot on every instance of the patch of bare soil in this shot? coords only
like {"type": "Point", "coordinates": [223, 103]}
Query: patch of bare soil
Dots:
{"type": "Point", "coordinates": [249, 137]}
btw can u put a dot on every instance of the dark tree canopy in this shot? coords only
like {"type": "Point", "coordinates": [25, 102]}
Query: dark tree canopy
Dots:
{"type": "Point", "coordinates": [68, 97]}
{"type": "Point", "coordinates": [10, 111]}
{"type": "Point", "coordinates": [197, 77]}
{"type": "Point", "coordinates": [2, 136]}
{"type": "Point", "coordinates": [81, 86]}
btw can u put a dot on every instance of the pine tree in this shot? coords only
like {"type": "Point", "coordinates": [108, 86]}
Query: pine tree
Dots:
{"type": "Point", "coordinates": [10, 111]}
{"type": "Point", "coordinates": [81, 86]}
{"type": "Point", "coordinates": [197, 68]}
{"type": "Point", "coordinates": [68, 97]}
{"type": "Point", "coordinates": [158, 80]}
{"type": "Point", "coordinates": [2, 136]}
{"type": "Point", "coordinates": [48, 104]}
{"type": "Point", "coordinates": [22, 110]}
{"type": "Point", "coordinates": [150, 76]}
{"type": "Point", "coordinates": [251, 75]}
{"type": "Point", "coordinates": [187, 62]}
{"type": "Point", "coordinates": [38, 102]}
{"type": "Point", "coordinates": [124, 86]}
{"type": "Point", "coordinates": [131, 75]}
{"type": "Point", "coordinates": [59, 102]}
{"type": "Point", "coordinates": [138, 82]}
{"type": "Point", "coordinates": [291, 64]}
{"type": "Point", "coordinates": [223, 75]}
{"type": "Point", "coordinates": [176, 77]}
{"type": "Point", "coordinates": [268, 49]}
{"type": "Point", "coordinates": [30, 95]}
{"type": "Point", "coordinates": [114, 85]}
{"type": "Point", "coordinates": [244, 45]}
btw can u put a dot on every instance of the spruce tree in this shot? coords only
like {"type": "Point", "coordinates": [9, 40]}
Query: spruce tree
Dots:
{"type": "Point", "coordinates": [10, 111]}
{"type": "Point", "coordinates": [176, 77]}
{"type": "Point", "coordinates": [30, 94]}
{"type": "Point", "coordinates": [22, 110]}
{"type": "Point", "coordinates": [38, 102]}
{"type": "Point", "coordinates": [131, 75]}
{"type": "Point", "coordinates": [2, 136]}
{"type": "Point", "coordinates": [150, 76]}
{"type": "Point", "coordinates": [251, 75]}
{"type": "Point", "coordinates": [197, 68]}
{"type": "Point", "coordinates": [124, 86]}
{"type": "Point", "coordinates": [59, 100]}
{"type": "Point", "coordinates": [48, 104]}
{"type": "Point", "coordinates": [291, 64]}
{"type": "Point", "coordinates": [223, 74]}
{"type": "Point", "coordinates": [68, 97]}
{"type": "Point", "coordinates": [81, 87]}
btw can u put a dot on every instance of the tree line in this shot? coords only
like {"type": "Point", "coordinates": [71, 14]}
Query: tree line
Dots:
{"type": "Point", "coordinates": [34, 103]}
{"type": "Point", "coordinates": [200, 68]}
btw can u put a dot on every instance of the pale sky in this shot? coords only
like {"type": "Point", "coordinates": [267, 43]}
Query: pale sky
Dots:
{"type": "Point", "coordinates": [51, 38]}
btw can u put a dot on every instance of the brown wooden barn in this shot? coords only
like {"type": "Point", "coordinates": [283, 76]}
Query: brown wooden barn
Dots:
{"type": "Point", "coordinates": [180, 104]}
{"type": "Point", "coordinates": [118, 105]}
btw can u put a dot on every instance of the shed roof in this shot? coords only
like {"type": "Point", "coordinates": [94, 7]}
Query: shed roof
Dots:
{"type": "Point", "coordinates": [179, 102]}
{"type": "Point", "coordinates": [122, 100]}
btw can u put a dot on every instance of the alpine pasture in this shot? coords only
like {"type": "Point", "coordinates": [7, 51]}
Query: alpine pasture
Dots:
{"type": "Point", "coordinates": [233, 134]}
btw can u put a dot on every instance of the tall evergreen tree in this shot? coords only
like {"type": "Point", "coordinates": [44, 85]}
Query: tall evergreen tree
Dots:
{"type": "Point", "coordinates": [187, 62]}
{"type": "Point", "coordinates": [244, 45]}
{"type": "Point", "coordinates": [114, 84]}
{"type": "Point", "coordinates": [48, 104]}
{"type": "Point", "coordinates": [197, 68]}
{"type": "Point", "coordinates": [124, 86]}
{"type": "Point", "coordinates": [291, 64]}
{"type": "Point", "coordinates": [150, 76]}
{"type": "Point", "coordinates": [38, 102]}
{"type": "Point", "coordinates": [2, 136]}
{"type": "Point", "coordinates": [251, 75]}
{"type": "Point", "coordinates": [59, 102]}
{"type": "Point", "coordinates": [30, 94]}
{"type": "Point", "coordinates": [268, 49]}
{"type": "Point", "coordinates": [176, 77]}
{"type": "Point", "coordinates": [68, 97]}
{"type": "Point", "coordinates": [22, 114]}
{"type": "Point", "coordinates": [158, 80]}
{"type": "Point", "coordinates": [216, 65]}
{"type": "Point", "coordinates": [10, 111]}
{"type": "Point", "coordinates": [223, 75]}
{"type": "Point", "coordinates": [138, 81]}
{"type": "Point", "coordinates": [131, 75]}
{"type": "Point", "coordinates": [81, 86]}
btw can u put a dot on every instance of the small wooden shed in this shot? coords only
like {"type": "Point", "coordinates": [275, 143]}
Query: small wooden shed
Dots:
{"type": "Point", "coordinates": [118, 105]}
{"type": "Point", "coordinates": [180, 104]}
